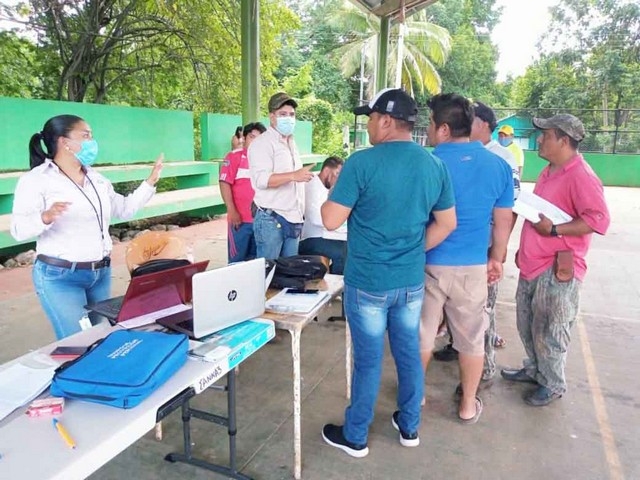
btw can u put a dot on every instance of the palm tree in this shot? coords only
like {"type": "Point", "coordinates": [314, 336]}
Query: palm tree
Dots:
{"type": "Point", "coordinates": [426, 46]}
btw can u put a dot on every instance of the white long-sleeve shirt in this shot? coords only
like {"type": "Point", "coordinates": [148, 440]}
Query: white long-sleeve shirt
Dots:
{"type": "Point", "coordinates": [315, 195]}
{"type": "Point", "coordinates": [74, 235]}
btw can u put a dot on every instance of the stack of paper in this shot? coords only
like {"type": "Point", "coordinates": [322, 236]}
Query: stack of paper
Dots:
{"type": "Point", "coordinates": [285, 302]}
{"type": "Point", "coordinates": [20, 383]}
{"type": "Point", "coordinates": [529, 205]}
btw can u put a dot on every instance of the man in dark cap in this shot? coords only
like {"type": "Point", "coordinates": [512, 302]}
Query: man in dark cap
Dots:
{"type": "Point", "coordinates": [551, 258]}
{"type": "Point", "coordinates": [386, 194]}
{"type": "Point", "coordinates": [276, 173]}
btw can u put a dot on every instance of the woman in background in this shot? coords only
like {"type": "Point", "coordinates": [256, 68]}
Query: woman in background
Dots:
{"type": "Point", "coordinates": [68, 206]}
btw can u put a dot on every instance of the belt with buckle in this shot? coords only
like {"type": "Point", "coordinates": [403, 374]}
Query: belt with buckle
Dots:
{"type": "Point", "coordinates": [59, 262]}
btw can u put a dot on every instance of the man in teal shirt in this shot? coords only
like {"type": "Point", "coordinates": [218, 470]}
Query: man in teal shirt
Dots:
{"type": "Point", "coordinates": [387, 194]}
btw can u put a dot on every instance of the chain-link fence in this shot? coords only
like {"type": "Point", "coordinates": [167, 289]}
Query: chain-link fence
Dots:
{"type": "Point", "coordinates": [608, 131]}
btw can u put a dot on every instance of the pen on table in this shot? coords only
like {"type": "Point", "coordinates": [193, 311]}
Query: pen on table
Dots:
{"type": "Point", "coordinates": [63, 433]}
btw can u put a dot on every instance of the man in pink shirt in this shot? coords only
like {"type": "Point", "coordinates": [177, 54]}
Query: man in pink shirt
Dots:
{"type": "Point", "coordinates": [551, 258]}
{"type": "Point", "coordinates": [237, 193]}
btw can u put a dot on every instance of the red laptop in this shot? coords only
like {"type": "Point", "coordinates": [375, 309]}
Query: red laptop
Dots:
{"type": "Point", "coordinates": [150, 293]}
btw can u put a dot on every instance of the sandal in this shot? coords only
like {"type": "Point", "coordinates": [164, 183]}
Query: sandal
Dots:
{"type": "Point", "coordinates": [476, 417]}
{"type": "Point", "coordinates": [499, 342]}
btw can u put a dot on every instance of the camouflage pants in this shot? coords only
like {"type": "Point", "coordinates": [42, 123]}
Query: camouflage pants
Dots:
{"type": "Point", "coordinates": [546, 311]}
{"type": "Point", "coordinates": [490, 335]}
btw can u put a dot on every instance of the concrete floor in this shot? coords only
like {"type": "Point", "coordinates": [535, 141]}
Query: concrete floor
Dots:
{"type": "Point", "coordinates": [591, 433]}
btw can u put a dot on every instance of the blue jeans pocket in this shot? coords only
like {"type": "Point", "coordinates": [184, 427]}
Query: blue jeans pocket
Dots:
{"type": "Point", "coordinates": [371, 299]}
{"type": "Point", "coordinates": [51, 272]}
{"type": "Point", "coordinates": [415, 294]}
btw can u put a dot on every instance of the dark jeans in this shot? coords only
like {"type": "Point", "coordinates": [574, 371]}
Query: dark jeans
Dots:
{"type": "Point", "coordinates": [336, 250]}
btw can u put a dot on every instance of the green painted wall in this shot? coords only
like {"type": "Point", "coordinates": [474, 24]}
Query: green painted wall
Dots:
{"type": "Point", "coordinates": [216, 130]}
{"type": "Point", "coordinates": [124, 134]}
{"type": "Point", "coordinates": [615, 170]}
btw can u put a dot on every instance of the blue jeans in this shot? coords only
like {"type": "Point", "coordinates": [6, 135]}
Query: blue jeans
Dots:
{"type": "Point", "coordinates": [370, 314]}
{"type": "Point", "coordinates": [335, 250]}
{"type": "Point", "coordinates": [241, 245]}
{"type": "Point", "coordinates": [63, 293]}
{"type": "Point", "coordinates": [270, 240]}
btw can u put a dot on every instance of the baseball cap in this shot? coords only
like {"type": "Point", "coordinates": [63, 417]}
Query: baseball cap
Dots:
{"type": "Point", "coordinates": [486, 114]}
{"type": "Point", "coordinates": [394, 102]}
{"type": "Point", "coordinates": [279, 99]}
{"type": "Point", "coordinates": [569, 124]}
{"type": "Point", "coordinates": [506, 129]}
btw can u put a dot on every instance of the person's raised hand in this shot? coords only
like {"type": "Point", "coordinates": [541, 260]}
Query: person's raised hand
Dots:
{"type": "Point", "coordinates": [154, 176]}
{"type": "Point", "coordinates": [303, 174]}
{"type": "Point", "coordinates": [58, 208]}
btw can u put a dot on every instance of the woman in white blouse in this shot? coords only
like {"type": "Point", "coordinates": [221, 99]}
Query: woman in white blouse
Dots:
{"type": "Point", "coordinates": [68, 206]}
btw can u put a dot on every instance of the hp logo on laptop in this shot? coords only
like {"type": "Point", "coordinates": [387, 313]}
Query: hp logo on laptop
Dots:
{"type": "Point", "coordinates": [232, 295]}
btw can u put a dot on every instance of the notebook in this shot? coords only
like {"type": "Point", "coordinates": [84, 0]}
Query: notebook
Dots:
{"type": "Point", "coordinates": [153, 292]}
{"type": "Point", "coordinates": [221, 298]}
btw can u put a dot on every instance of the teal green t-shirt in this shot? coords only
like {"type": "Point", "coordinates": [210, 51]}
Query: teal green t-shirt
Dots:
{"type": "Point", "coordinates": [391, 189]}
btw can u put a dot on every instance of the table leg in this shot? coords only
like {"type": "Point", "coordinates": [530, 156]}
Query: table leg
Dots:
{"type": "Point", "coordinates": [297, 433]}
{"type": "Point", "coordinates": [348, 355]}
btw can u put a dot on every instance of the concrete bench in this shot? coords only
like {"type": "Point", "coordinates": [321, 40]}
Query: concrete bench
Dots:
{"type": "Point", "coordinates": [196, 181]}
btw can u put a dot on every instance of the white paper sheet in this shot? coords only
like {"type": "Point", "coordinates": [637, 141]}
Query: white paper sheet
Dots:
{"type": "Point", "coordinates": [284, 302]}
{"type": "Point", "coordinates": [22, 382]}
{"type": "Point", "coordinates": [529, 205]}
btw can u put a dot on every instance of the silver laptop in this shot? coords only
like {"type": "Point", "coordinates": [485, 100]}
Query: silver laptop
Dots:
{"type": "Point", "coordinates": [221, 298]}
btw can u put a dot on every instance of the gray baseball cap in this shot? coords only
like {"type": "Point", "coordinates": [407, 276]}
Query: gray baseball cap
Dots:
{"type": "Point", "coordinates": [569, 124]}
{"type": "Point", "coordinates": [279, 99]}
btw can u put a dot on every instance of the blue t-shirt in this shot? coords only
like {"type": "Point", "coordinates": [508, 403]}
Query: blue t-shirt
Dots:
{"type": "Point", "coordinates": [481, 181]}
{"type": "Point", "coordinates": [391, 188]}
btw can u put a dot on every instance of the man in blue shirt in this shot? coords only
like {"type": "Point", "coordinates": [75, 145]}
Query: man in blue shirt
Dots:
{"type": "Point", "coordinates": [457, 270]}
{"type": "Point", "coordinates": [386, 194]}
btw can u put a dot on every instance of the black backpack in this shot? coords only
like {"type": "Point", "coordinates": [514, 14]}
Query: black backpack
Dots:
{"type": "Point", "coordinates": [293, 272]}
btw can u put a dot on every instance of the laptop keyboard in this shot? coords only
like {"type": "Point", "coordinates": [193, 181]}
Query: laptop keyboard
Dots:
{"type": "Point", "coordinates": [112, 306]}
{"type": "Point", "coordinates": [186, 324]}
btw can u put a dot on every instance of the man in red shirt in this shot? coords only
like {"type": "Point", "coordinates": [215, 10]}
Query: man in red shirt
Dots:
{"type": "Point", "coordinates": [551, 258]}
{"type": "Point", "coordinates": [237, 193]}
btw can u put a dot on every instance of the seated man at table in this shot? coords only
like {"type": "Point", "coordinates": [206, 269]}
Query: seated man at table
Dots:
{"type": "Point", "coordinates": [316, 239]}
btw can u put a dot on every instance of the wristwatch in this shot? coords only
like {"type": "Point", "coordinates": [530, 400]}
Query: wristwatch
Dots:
{"type": "Point", "coordinates": [554, 232]}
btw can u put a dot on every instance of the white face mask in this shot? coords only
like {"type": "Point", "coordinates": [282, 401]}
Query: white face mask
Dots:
{"type": "Point", "coordinates": [285, 125]}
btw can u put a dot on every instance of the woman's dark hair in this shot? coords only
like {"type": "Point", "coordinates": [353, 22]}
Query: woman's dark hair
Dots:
{"type": "Point", "coordinates": [238, 133]}
{"type": "Point", "coordinates": [55, 128]}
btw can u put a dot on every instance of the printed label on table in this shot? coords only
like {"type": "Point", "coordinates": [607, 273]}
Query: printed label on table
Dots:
{"type": "Point", "coordinates": [217, 372]}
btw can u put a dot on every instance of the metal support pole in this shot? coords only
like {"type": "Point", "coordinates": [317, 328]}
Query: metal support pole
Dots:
{"type": "Point", "coordinates": [383, 49]}
{"type": "Point", "coordinates": [250, 35]}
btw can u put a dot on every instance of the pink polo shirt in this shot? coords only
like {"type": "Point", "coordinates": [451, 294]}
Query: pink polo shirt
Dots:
{"type": "Point", "coordinates": [578, 191]}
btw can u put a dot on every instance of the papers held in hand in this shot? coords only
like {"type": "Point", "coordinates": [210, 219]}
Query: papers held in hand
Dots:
{"type": "Point", "coordinates": [529, 205]}
{"type": "Point", "coordinates": [286, 301]}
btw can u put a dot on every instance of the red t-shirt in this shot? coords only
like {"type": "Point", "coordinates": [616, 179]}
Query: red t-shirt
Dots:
{"type": "Point", "coordinates": [577, 190]}
{"type": "Point", "coordinates": [235, 172]}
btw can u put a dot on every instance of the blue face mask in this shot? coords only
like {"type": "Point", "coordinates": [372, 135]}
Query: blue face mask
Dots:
{"type": "Point", "coordinates": [285, 125]}
{"type": "Point", "coordinates": [88, 152]}
{"type": "Point", "coordinates": [505, 142]}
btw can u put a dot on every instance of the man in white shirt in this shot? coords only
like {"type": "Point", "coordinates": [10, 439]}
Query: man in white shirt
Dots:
{"type": "Point", "coordinates": [316, 239]}
{"type": "Point", "coordinates": [276, 170]}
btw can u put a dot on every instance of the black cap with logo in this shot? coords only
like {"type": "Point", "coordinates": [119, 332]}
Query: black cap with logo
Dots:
{"type": "Point", "coordinates": [394, 102]}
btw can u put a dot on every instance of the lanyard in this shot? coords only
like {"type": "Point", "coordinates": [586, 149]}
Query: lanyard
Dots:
{"type": "Point", "coordinates": [99, 218]}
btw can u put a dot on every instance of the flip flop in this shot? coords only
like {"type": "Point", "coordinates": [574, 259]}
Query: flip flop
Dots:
{"type": "Point", "coordinates": [476, 417]}
{"type": "Point", "coordinates": [499, 342]}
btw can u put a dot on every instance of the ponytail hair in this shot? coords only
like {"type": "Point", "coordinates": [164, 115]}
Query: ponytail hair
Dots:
{"type": "Point", "coordinates": [53, 129]}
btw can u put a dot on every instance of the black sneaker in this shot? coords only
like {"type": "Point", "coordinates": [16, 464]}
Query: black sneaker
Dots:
{"type": "Point", "coordinates": [446, 354]}
{"type": "Point", "coordinates": [406, 439]}
{"type": "Point", "coordinates": [332, 434]}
